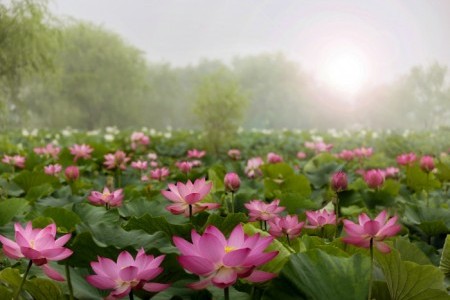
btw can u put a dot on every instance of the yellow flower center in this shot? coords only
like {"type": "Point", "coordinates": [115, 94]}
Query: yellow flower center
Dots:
{"type": "Point", "coordinates": [229, 249]}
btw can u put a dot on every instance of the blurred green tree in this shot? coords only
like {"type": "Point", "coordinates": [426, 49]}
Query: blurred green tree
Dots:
{"type": "Point", "coordinates": [219, 105]}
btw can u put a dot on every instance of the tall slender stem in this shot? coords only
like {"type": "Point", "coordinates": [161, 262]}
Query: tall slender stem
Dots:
{"type": "Point", "coordinates": [226, 293]}
{"type": "Point", "coordinates": [190, 212]}
{"type": "Point", "coordinates": [131, 295]}
{"type": "Point", "coordinates": [288, 240]}
{"type": "Point", "coordinates": [371, 270]}
{"type": "Point", "coordinates": [232, 202]}
{"type": "Point", "coordinates": [69, 281]}
{"type": "Point", "coordinates": [17, 295]}
{"type": "Point", "coordinates": [337, 214]}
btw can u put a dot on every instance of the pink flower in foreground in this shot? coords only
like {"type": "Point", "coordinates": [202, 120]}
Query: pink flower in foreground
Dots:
{"type": "Point", "coordinates": [221, 262]}
{"type": "Point", "coordinates": [72, 173]}
{"type": "Point", "coordinates": [117, 160]}
{"type": "Point", "coordinates": [339, 181]}
{"type": "Point", "coordinates": [320, 218]}
{"type": "Point", "coordinates": [53, 170]}
{"type": "Point", "coordinates": [234, 154]}
{"type": "Point", "coordinates": [252, 169]}
{"type": "Point", "coordinates": [16, 161]}
{"type": "Point", "coordinates": [261, 211]}
{"type": "Point", "coordinates": [49, 150]}
{"type": "Point", "coordinates": [374, 178]}
{"type": "Point", "coordinates": [38, 245]}
{"type": "Point", "coordinates": [232, 182]}
{"type": "Point", "coordinates": [273, 158]}
{"type": "Point", "coordinates": [376, 230]}
{"type": "Point", "coordinates": [286, 226]}
{"type": "Point", "coordinates": [159, 174]}
{"type": "Point", "coordinates": [427, 163]}
{"type": "Point", "coordinates": [406, 159]}
{"type": "Point", "coordinates": [194, 153]}
{"type": "Point", "coordinates": [139, 165]}
{"type": "Point", "coordinates": [187, 197]}
{"type": "Point", "coordinates": [184, 166]}
{"type": "Point", "coordinates": [127, 274]}
{"type": "Point", "coordinates": [81, 151]}
{"type": "Point", "coordinates": [139, 139]}
{"type": "Point", "coordinates": [107, 198]}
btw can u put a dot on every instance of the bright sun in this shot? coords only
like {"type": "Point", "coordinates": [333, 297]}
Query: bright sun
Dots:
{"type": "Point", "coordinates": [345, 70]}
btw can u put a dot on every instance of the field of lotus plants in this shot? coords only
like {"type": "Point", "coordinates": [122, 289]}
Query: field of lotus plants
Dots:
{"type": "Point", "coordinates": [111, 214]}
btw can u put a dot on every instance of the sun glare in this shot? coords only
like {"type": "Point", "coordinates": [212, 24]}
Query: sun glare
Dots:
{"type": "Point", "coordinates": [345, 70]}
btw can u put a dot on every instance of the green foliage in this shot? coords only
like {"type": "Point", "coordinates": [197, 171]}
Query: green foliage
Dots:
{"type": "Point", "coordinates": [219, 105]}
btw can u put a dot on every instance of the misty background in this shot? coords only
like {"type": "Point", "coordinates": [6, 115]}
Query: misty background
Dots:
{"type": "Point", "coordinates": [90, 64]}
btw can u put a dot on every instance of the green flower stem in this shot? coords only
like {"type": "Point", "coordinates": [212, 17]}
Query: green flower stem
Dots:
{"type": "Point", "coordinates": [288, 240]}
{"type": "Point", "coordinates": [131, 295]}
{"type": "Point", "coordinates": [371, 270]}
{"type": "Point", "coordinates": [17, 295]}
{"type": "Point", "coordinates": [232, 202]}
{"type": "Point", "coordinates": [190, 213]}
{"type": "Point", "coordinates": [69, 281]}
{"type": "Point", "coordinates": [226, 293]}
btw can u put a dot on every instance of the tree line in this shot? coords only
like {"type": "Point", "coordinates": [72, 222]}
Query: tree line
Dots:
{"type": "Point", "coordinates": [57, 73]}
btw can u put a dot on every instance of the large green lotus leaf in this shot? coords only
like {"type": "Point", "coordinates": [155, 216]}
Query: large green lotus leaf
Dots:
{"type": "Point", "coordinates": [278, 262]}
{"type": "Point", "coordinates": [277, 171]}
{"type": "Point", "coordinates": [320, 168]}
{"type": "Point", "coordinates": [410, 252]}
{"type": "Point", "coordinates": [27, 180]}
{"type": "Point", "coordinates": [65, 220]}
{"type": "Point", "coordinates": [443, 172]}
{"type": "Point", "coordinates": [226, 224]}
{"type": "Point", "coordinates": [40, 191]}
{"type": "Point", "coordinates": [10, 208]}
{"type": "Point", "coordinates": [408, 280]}
{"type": "Point", "coordinates": [216, 174]}
{"type": "Point", "coordinates": [418, 180]}
{"type": "Point", "coordinates": [431, 220]}
{"type": "Point", "coordinates": [154, 224]}
{"type": "Point", "coordinates": [38, 288]}
{"type": "Point", "coordinates": [445, 258]}
{"type": "Point", "coordinates": [318, 275]}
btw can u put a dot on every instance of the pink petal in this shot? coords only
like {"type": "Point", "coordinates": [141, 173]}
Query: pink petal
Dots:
{"type": "Point", "coordinates": [192, 198]}
{"type": "Point", "coordinates": [30, 253]}
{"type": "Point", "coordinates": [128, 273]}
{"type": "Point", "coordinates": [200, 285]}
{"type": "Point", "coordinates": [155, 287]}
{"type": "Point", "coordinates": [363, 218]}
{"type": "Point", "coordinates": [101, 282]}
{"type": "Point", "coordinates": [382, 247]}
{"type": "Point", "coordinates": [388, 231]}
{"type": "Point", "coordinates": [236, 258]}
{"type": "Point", "coordinates": [196, 264]}
{"type": "Point", "coordinates": [236, 238]}
{"type": "Point", "coordinates": [149, 273]}
{"type": "Point", "coordinates": [124, 260]}
{"type": "Point", "coordinates": [108, 267]}
{"type": "Point", "coordinates": [52, 273]}
{"type": "Point", "coordinates": [224, 277]}
{"type": "Point", "coordinates": [371, 227]}
{"type": "Point", "coordinates": [382, 217]}
{"type": "Point", "coordinates": [260, 276]}
{"type": "Point", "coordinates": [184, 246]}
{"type": "Point", "coordinates": [171, 196]}
{"type": "Point", "coordinates": [177, 209]}
{"type": "Point", "coordinates": [217, 233]}
{"type": "Point", "coordinates": [260, 259]}
{"type": "Point", "coordinates": [211, 248]}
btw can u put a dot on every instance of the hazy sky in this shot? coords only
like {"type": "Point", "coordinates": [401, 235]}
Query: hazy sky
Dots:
{"type": "Point", "coordinates": [382, 37]}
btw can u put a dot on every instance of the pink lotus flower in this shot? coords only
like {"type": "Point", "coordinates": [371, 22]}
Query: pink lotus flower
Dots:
{"type": "Point", "coordinates": [152, 156]}
{"type": "Point", "coordinates": [252, 169]}
{"type": "Point", "coordinates": [339, 181]}
{"type": "Point", "coordinates": [232, 182]}
{"type": "Point", "coordinates": [72, 173]}
{"type": "Point", "coordinates": [194, 153]}
{"type": "Point", "coordinates": [127, 274]}
{"type": "Point", "coordinates": [159, 174]}
{"type": "Point", "coordinates": [53, 170]}
{"type": "Point", "coordinates": [221, 262]}
{"type": "Point", "coordinates": [319, 147]}
{"type": "Point", "coordinates": [391, 172]}
{"type": "Point", "coordinates": [261, 211]}
{"type": "Point", "coordinates": [376, 230]}
{"type": "Point", "coordinates": [374, 178]}
{"type": "Point", "coordinates": [139, 139]}
{"type": "Point", "coordinates": [301, 155]}
{"type": "Point", "coordinates": [273, 158]}
{"type": "Point", "coordinates": [48, 150]}
{"type": "Point", "coordinates": [320, 218]}
{"type": "Point", "coordinates": [81, 151]}
{"type": "Point", "coordinates": [427, 163]}
{"type": "Point", "coordinates": [187, 197]}
{"type": "Point", "coordinates": [406, 159]}
{"type": "Point", "coordinates": [346, 155]}
{"type": "Point", "coordinates": [117, 160]}
{"type": "Point", "coordinates": [107, 198]}
{"type": "Point", "coordinates": [16, 160]}
{"type": "Point", "coordinates": [285, 226]}
{"type": "Point", "coordinates": [196, 163]}
{"type": "Point", "coordinates": [38, 245]}
{"type": "Point", "coordinates": [139, 165]}
{"type": "Point", "coordinates": [363, 152]}
{"type": "Point", "coordinates": [184, 166]}
{"type": "Point", "coordinates": [234, 154]}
